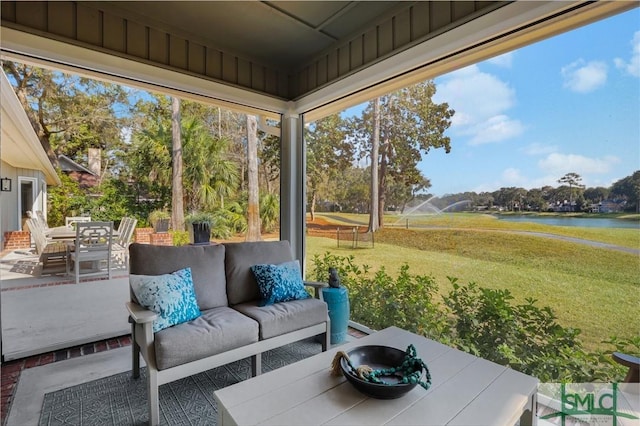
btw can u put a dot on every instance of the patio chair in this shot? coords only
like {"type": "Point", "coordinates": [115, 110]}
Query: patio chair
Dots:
{"type": "Point", "coordinates": [93, 244]}
{"type": "Point", "coordinates": [72, 220]}
{"type": "Point", "coordinates": [36, 223]}
{"type": "Point", "coordinates": [47, 249]}
{"type": "Point", "coordinates": [120, 248]}
{"type": "Point", "coordinates": [42, 219]}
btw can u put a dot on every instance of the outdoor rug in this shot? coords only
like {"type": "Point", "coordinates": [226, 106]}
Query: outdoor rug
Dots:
{"type": "Point", "coordinates": [121, 400]}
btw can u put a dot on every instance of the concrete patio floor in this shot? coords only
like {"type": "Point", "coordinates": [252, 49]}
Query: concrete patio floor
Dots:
{"type": "Point", "coordinates": [45, 312]}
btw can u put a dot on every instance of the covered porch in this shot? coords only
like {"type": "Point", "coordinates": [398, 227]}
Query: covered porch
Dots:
{"type": "Point", "coordinates": [296, 78]}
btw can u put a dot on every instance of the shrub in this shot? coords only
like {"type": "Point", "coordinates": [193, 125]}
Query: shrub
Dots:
{"type": "Point", "coordinates": [157, 215]}
{"type": "Point", "coordinates": [180, 238]}
{"type": "Point", "coordinates": [480, 321]}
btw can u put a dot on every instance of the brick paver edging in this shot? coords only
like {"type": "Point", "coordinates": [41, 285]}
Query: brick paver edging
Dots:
{"type": "Point", "coordinates": [51, 284]}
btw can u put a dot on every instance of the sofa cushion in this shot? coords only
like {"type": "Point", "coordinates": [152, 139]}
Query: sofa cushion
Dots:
{"type": "Point", "coordinates": [171, 296]}
{"type": "Point", "coordinates": [281, 318]}
{"type": "Point", "coordinates": [279, 283]}
{"type": "Point", "coordinates": [216, 330]}
{"type": "Point", "coordinates": [239, 257]}
{"type": "Point", "coordinates": [206, 263]}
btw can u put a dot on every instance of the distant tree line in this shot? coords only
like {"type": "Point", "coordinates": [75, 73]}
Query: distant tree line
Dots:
{"type": "Point", "coordinates": [350, 193]}
{"type": "Point", "coordinates": [624, 193]}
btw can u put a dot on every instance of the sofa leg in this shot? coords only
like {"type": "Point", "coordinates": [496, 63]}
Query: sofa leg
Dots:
{"type": "Point", "coordinates": [256, 365]}
{"type": "Point", "coordinates": [135, 354]}
{"type": "Point", "coordinates": [154, 399]}
{"type": "Point", "coordinates": [326, 341]}
{"type": "Point", "coordinates": [326, 337]}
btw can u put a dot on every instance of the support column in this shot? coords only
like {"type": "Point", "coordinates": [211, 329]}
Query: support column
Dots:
{"type": "Point", "coordinates": [292, 184]}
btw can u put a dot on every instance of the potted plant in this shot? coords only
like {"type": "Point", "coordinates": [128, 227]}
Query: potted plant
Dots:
{"type": "Point", "coordinates": [159, 219]}
{"type": "Point", "coordinates": [200, 227]}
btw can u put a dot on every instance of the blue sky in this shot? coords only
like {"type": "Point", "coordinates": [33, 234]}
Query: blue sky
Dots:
{"type": "Point", "coordinates": [567, 104]}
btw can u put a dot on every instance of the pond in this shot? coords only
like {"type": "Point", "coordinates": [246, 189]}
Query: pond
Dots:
{"type": "Point", "coordinates": [596, 222]}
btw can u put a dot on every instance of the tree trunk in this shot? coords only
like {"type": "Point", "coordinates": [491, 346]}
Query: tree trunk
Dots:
{"type": "Point", "coordinates": [253, 209]}
{"type": "Point", "coordinates": [570, 198]}
{"type": "Point", "coordinates": [382, 187]}
{"type": "Point", "coordinates": [375, 143]}
{"type": "Point", "coordinates": [177, 193]}
{"type": "Point", "coordinates": [313, 206]}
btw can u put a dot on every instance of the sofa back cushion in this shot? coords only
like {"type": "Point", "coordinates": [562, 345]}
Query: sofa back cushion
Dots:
{"type": "Point", "coordinates": [240, 257]}
{"type": "Point", "coordinates": [206, 263]}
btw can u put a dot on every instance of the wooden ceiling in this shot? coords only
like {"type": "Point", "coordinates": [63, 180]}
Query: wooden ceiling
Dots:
{"type": "Point", "coordinates": [282, 53]}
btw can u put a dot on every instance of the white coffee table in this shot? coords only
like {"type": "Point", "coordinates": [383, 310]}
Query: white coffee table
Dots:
{"type": "Point", "coordinates": [466, 390]}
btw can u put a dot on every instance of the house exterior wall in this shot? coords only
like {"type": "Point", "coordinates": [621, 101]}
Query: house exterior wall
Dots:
{"type": "Point", "coordinates": [9, 201]}
{"type": "Point", "coordinates": [9, 218]}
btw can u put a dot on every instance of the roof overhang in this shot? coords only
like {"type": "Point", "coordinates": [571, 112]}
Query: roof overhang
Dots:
{"type": "Point", "coordinates": [21, 147]}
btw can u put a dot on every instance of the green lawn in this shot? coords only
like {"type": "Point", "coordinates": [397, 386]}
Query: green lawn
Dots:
{"type": "Point", "coordinates": [594, 289]}
{"type": "Point", "coordinates": [618, 236]}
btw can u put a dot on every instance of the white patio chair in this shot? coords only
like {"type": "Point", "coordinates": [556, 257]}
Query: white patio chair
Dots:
{"type": "Point", "coordinates": [71, 220]}
{"type": "Point", "coordinates": [47, 249]}
{"type": "Point", "coordinates": [92, 244]}
{"type": "Point", "coordinates": [120, 248]}
{"type": "Point", "coordinates": [42, 219]}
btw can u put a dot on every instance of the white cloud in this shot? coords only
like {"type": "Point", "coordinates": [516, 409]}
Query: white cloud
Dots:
{"type": "Point", "coordinates": [481, 101]}
{"type": "Point", "coordinates": [560, 164]}
{"type": "Point", "coordinates": [539, 149]}
{"type": "Point", "coordinates": [515, 177]}
{"type": "Point", "coordinates": [555, 165]}
{"type": "Point", "coordinates": [512, 177]}
{"type": "Point", "coordinates": [633, 66]}
{"type": "Point", "coordinates": [495, 129]}
{"type": "Point", "coordinates": [505, 60]}
{"type": "Point", "coordinates": [582, 77]}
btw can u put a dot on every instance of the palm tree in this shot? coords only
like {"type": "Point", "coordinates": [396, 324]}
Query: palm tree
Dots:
{"type": "Point", "coordinates": [208, 176]}
{"type": "Point", "coordinates": [212, 177]}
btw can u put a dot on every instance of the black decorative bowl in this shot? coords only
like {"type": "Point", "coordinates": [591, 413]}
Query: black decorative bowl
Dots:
{"type": "Point", "coordinates": [376, 357]}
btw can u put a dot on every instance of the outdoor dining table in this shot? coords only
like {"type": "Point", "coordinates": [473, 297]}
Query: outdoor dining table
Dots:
{"type": "Point", "coordinates": [465, 390]}
{"type": "Point", "coordinates": [67, 233]}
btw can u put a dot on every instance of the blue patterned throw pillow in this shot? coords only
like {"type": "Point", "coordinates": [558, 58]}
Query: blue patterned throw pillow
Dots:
{"type": "Point", "coordinates": [279, 283]}
{"type": "Point", "coordinates": [171, 296]}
